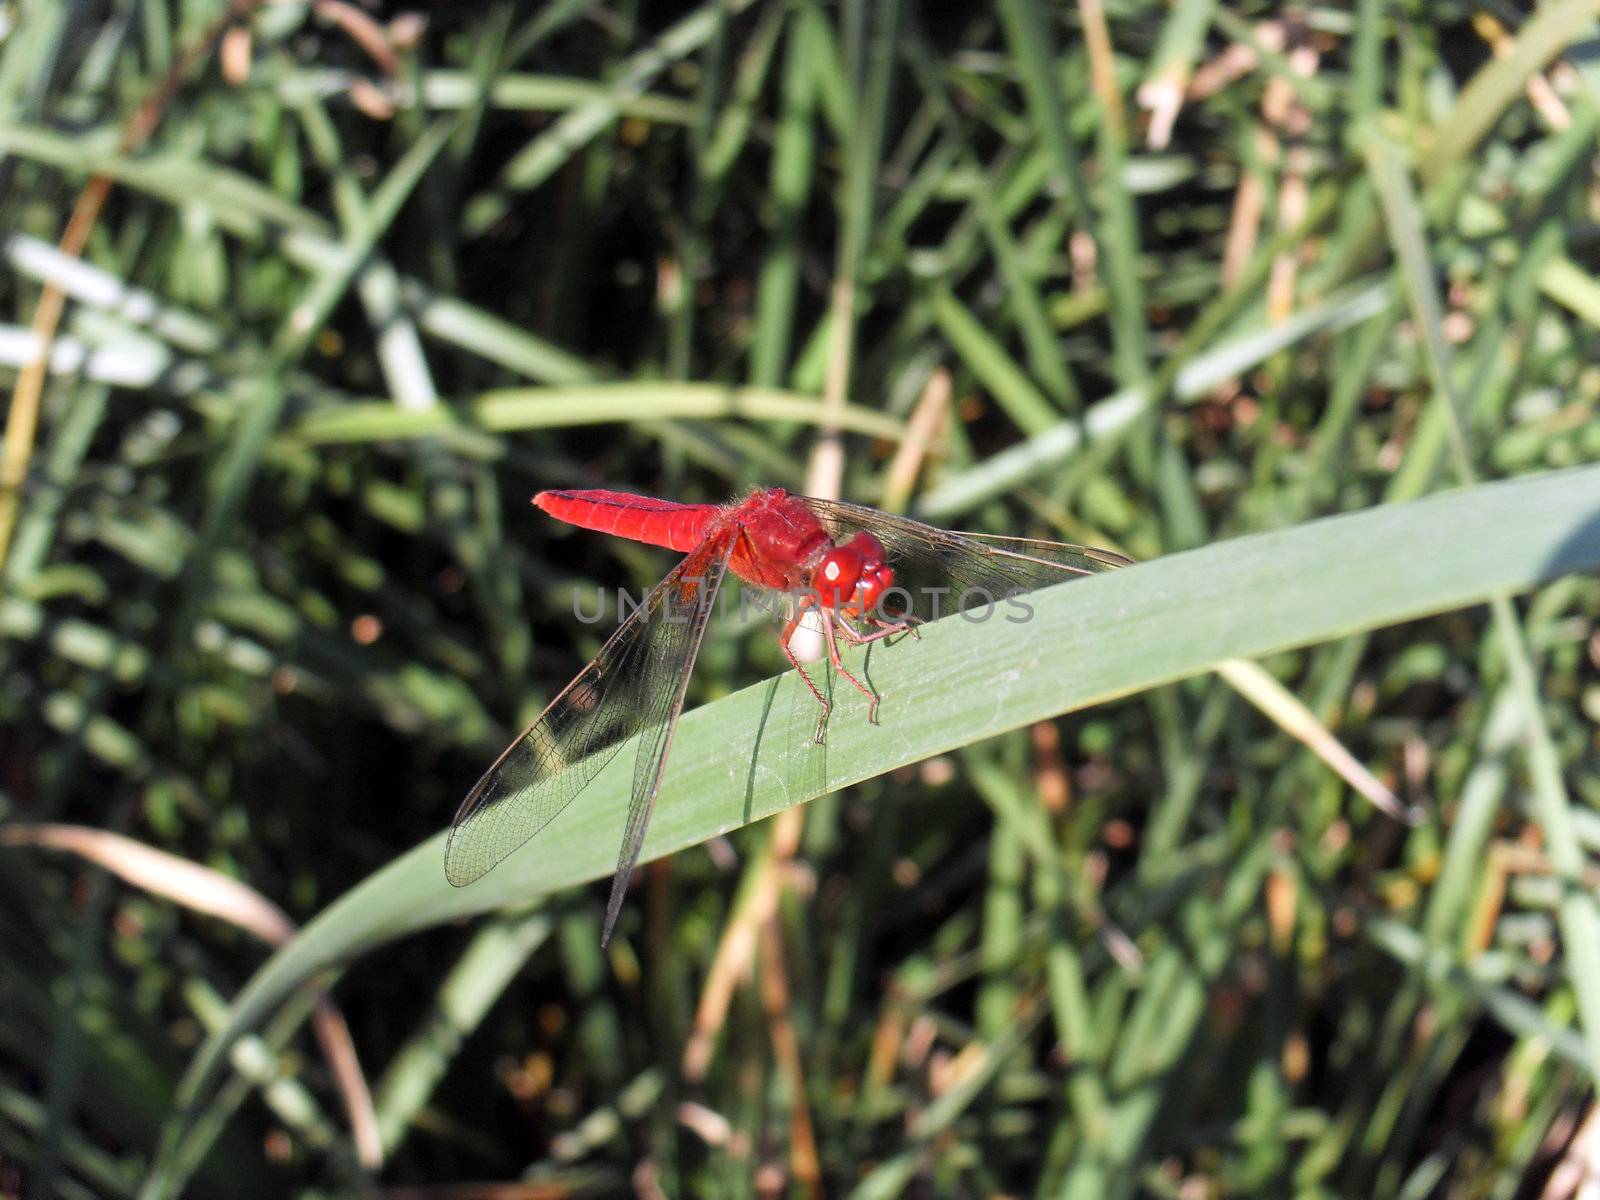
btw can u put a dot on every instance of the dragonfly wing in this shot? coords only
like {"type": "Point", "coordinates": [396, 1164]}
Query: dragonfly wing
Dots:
{"type": "Point", "coordinates": [1063, 556]}
{"type": "Point", "coordinates": [941, 571]}
{"type": "Point", "coordinates": [628, 685]}
{"type": "Point", "coordinates": [679, 631]}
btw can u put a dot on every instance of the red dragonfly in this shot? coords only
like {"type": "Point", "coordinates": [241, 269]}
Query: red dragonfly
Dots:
{"type": "Point", "coordinates": [864, 574]}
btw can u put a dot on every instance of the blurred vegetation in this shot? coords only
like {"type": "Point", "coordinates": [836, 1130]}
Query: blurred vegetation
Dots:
{"type": "Point", "coordinates": [1149, 274]}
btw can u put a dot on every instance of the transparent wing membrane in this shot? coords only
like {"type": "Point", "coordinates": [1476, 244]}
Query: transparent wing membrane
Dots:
{"type": "Point", "coordinates": [635, 684]}
{"type": "Point", "coordinates": [672, 653]}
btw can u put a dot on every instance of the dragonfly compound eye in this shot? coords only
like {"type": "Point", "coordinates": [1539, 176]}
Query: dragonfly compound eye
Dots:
{"type": "Point", "coordinates": [876, 576]}
{"type": "Point", "coordinates": [853, 577]}
{"type": "Point", "coordinates": [834, 579]}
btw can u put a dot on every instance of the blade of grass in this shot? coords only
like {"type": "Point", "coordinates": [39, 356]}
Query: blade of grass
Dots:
{"type": "Point", "coordinates": [1551, 29]}
{"type": "Point", "coordinates": [493, 339]}
{"type": "Point", "coordinates": [1119, 226]}
{"type": "Point", "coordinates": [513, 409]}
{"type": "Point", "coordinates": [1567, 283]}
{"type": "Point", "coordinates": [788, 186]}
{"type": "Point", "coordinates": [986, 358]}
{"type": "Point", "coordinates": [1167, 74]}
{"type": "Point", "coordinates": [92, 285]}
{"type": "Point", "coordinates": [731, 131]}
{"type": "Point", "coordinates": [445, 90]}
{"type": "Point", "coordinates": [1287, 711]}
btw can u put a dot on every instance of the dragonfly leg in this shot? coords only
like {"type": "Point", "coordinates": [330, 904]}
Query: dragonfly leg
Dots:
{"type": "Point", "coordinates": [886, 629]}
{"type": "Point", "coordinates": [831, 622]}
{"type": "Point", "coordinates": [783, 641]}
{"type": "Point", "coordinates": [907, 625]}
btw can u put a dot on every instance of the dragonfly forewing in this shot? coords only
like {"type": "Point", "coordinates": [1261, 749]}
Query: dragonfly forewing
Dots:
{"type": "Point", "coordinates": [680, 629]}
{"type": "Point", "coordinates": [628, 687]}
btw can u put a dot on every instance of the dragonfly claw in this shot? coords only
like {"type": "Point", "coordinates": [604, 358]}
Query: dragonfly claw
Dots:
{"type": "Point", "coordinates": [823, 709]}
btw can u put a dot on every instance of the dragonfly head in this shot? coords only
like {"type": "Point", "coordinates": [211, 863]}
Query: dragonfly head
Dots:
{"type": "Point", "coordinates": [852, 578]}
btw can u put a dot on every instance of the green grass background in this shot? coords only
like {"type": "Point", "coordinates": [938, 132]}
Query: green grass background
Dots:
{"type": "Point", "coordinates": [1076, 919]}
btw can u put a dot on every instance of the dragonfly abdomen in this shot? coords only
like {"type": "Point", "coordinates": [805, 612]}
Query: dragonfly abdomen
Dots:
{"type": "Point", "coordinates": [666, 523]}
